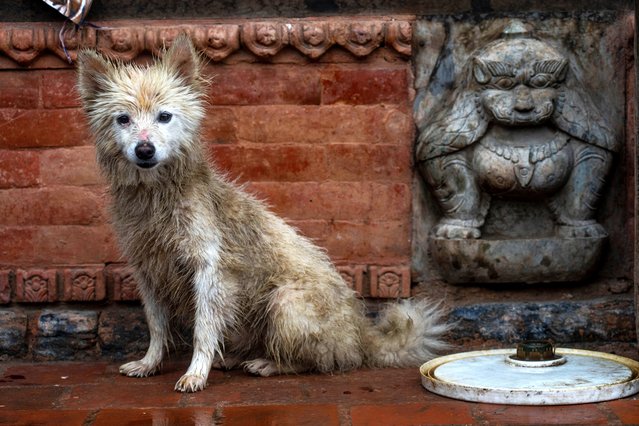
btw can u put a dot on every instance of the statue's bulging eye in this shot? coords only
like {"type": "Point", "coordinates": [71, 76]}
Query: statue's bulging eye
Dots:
{"type": "Point", "coordinates": [540, 81]}
{"type": "Point", "coordinates": [504, 83]}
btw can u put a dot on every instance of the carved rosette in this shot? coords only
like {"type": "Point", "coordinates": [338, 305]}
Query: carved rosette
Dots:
{"type": "Point", "coordinates": [359, 38]}
{"type": "Point", "coordinates": [312, 39]}
{"type": "Point", "coordinates": [158, 39]}
{"type": "Point", "coordinates": [264, 39]}
{"type": "Point", "coordinates": [121, 43]}
{"type": "Point", "coordinates": [36, 286]}
{"type": "Point", "coordinates": [84, 285]}
{"type": "Point", "coordinates": [390, 281]}
{"type": "Point", "coordinates": [217, 42]}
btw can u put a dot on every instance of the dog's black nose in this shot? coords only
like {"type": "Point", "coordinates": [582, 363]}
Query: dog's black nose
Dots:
{"type": "Point", "coordinates": [144, 151]}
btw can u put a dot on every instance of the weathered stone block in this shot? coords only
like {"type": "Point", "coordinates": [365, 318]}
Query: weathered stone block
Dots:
{"type": "Point", "coordinates": [564, 322]}
{"type": "Point", "coordinates": [66, 335]}
{"type": "Point", "coordinates": [122, 332]}
{"type": "Point", "coordinates": [13, 331]}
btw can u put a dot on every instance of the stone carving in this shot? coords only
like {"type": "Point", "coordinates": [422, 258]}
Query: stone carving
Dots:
{"type": "Point", "coordinates": [354, 276]}
{"type": "Point", "coordinates": [399, 35]}
{"type": "Point", "coordinates": [264, 39]}
{"type": "Point", "coordinates": [38, 285]}
{"type": "Point", "coordinates": [518, 126]}
{"type": "Point", "coordinates": [84, 285]}
{"type": "Point", "coordinates": [389, 281]}
{"type": "Point", "coordinates": [359, 38]}
{"type": "Point", "coordinates": [22, 44]}
{"type": "Point", "coordinates": [218, 41]}
{"type": "Point", "coordinates": [5, 287]}
{"type": "Point", "coordinates": [123, 281]}
{"type": "Point", "coordinates": [121, 43]}
{"type": "Point", "coordinates": [312, 39]}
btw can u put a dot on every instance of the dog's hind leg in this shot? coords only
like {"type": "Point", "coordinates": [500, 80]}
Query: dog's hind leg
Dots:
{"type": "Point", "coordinates": [157, 321]}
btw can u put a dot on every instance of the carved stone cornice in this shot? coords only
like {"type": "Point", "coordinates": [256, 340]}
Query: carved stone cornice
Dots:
{"type": "Point", "coordinates": [23, 44]}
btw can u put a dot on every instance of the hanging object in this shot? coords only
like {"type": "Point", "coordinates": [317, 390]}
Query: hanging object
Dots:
{"type": "Point", "coordinates": [75, 10]}
{"type": "Point", "coordinates": [534, 374]}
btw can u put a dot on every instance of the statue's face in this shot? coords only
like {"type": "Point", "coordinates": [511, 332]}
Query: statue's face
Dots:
{"type": "Point", "coordinates": [519, 80]}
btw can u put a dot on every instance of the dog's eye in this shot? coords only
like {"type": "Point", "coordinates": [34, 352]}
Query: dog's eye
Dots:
{"type": "Point", "coordinates": [123, 119]}
{"type": "Point", "coordinates": [165, 117]}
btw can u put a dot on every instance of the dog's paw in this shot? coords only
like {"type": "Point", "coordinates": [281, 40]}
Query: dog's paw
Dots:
{"type": "Point", "coordinates": [228, 363]}
{"type": "Point", "coordinates": [261, 367]}
{"type": "Point", "coordinates": [190, 383]}
{"type": "Point", "coordinates": [138, 369]}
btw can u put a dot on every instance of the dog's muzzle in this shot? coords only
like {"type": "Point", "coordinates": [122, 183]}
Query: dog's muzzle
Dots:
{"type": "Point", "coordinates": [145, 151]}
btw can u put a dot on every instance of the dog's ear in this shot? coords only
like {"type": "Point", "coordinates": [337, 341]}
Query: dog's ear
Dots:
{"type": "Point", "coordinates": [93, 70]}
{"type": "Point", "coordinates": [183, 59]}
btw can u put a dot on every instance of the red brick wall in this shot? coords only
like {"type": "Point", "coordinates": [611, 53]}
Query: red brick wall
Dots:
{"type": "Point", "coordinates": [327, 142]}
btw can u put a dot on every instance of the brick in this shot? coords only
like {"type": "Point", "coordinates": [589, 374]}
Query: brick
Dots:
{"type": "Point", "coordinates": [19, 89]}
{"type": "Point", "coordinates": [58, 89]}
{"type": "Point", "coordinates": [390, 282]}
{"type": "Point", "coordinates": [32, 399]}
{"type": "Point", "coordinates": [627, 410]}
{"type": "Point", "coordinates": [36, 285]}
{"type": "Point", "coordinates": [83, 284]}
{"type": "Point", "coordinates": [133, 393]}
{"type": "Point", "coordinates": [63, 373]}
{"type": "Point", "coordinates": [13, 332]}
{"type": "Point", "coordinates": [200, 416]}
{"type": "Point", "coordinates": [66, 335]}
{"type": "Point", "coordinates": [357, 242]}
{"type": "Point", "coordinates": [19, 169]}
{"type": "Point", "coordinates": [18, 245]}
{"type": "Point", "coordinates": [293, 415]}
{"type": "Point", "coordinates": [587, 414]}
{"type": "Point", "coordinates": [316, 230]}
{"type": "Point", "coordinates": [43, 128]}
{"type": "Point", "coordinates": [122, 282]}
{"type": "Point", "coordinates": [62, 205]}
{"type": "Point", "coordinates": [365, 86]}
{"type": "Point", "coordinates": [5, 287]}
{"type": "Point", "coordinates": [311, 200]}
{"type": "Point", "coordinates": [39, 416]}
{"type": "Point", "coordinates": [271, 163]}
{"type": "Point", "coordinates": [359, 162]}
{"type": "Point", "coordinates": [70, 166]}
{"type": "Point", "coordinates": [220, 125]}
{"type": "Point", "coordinates": [325, 124]}
{"type": "Point", "coordinates": [264, 85]}
{"type": "Point", "coordinates": [391, 201]}
{"type": "Point", "coordinates": [439, 413]}
{"type": "Point", "coordinates": [71, 244]}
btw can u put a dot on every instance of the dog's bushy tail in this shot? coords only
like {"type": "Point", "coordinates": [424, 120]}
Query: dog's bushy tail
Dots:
{"type": "Point", "coordinates": [406, 334]}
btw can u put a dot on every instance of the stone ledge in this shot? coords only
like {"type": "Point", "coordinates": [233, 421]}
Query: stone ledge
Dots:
{"type": "Point", "coordinates": [24, 45]}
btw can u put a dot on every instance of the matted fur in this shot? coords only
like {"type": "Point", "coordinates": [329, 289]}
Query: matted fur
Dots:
{"type": "Point", "coordinates": [256, 293]}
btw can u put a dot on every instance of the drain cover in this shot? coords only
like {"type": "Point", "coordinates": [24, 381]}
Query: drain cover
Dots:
{"type": "Point", "coordinates": [492, 376]}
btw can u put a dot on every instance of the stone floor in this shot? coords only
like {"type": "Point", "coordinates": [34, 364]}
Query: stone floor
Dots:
{"type": "Point", "coordinates": [93, 393]}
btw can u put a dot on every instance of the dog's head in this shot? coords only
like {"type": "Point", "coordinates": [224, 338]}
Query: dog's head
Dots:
{"type": "Point", "coordinates": [143, 116]}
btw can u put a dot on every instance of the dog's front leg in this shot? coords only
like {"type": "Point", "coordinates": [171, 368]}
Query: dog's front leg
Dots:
{"type": "Point", "coordinates": [157, 321]}
{"type": "Point", "coordinates": [210, 317]}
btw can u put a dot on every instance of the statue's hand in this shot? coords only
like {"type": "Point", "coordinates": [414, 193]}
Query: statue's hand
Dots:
{"type": "Point", "coordinates": [451, 232]}
{"type": "Point", "coordinates": [581, 231]}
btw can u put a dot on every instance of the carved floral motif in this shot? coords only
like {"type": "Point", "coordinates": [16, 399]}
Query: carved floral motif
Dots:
{"type": "Point", "coordinates": [124, 287]}
{"type": "Point", "coordinates": [359, 38]}
{"type": "Point", "coordinates": [353, 275]}
{"type": "Point", "coordinates": [37, 285]}
{"type": "Point", "coordinates": [84, 285]}
{"type": "Point", "coordinates": [122, 43]}
{"type": "Point", "coordinates": [390, 281]}
{"type": "Point", "coordinates": [312, 39]}
{"type": "Point", "coordinates": [218, 41]}
{"type": "Point", "coordinates": [264, 39]}
{"type": "Point", "coordinates": [23, 44]}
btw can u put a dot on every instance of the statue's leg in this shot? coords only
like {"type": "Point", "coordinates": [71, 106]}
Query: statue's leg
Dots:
{"type": "Point", "coordinates": [574, 206]}
{"type": "Point", "coordinates": [455, 186]}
